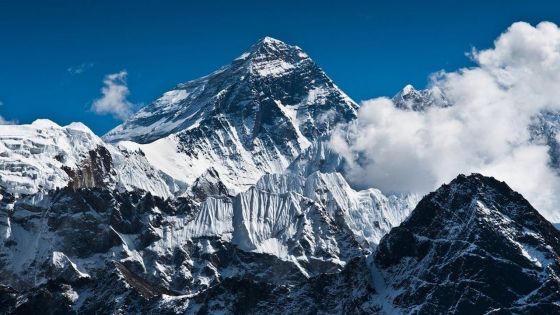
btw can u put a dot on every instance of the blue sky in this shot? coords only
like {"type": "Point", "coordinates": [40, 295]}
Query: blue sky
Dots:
{"type": "Point", "coordinates": [369, 48]}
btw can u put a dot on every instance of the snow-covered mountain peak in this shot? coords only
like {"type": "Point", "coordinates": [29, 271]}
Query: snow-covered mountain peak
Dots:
{"type": "Point", "coordinates": [272, 57]}
{"type": "Point", "coordinates": [252, 117]}
{"type": "Point", "coordinates": [267, 40]}
{"type": "Point", "coordinates": [268, 44]}
{"type": "Point", "coordinates": [475, 197]}
{"type": "Point", "coordinates": [270, 74]}
{"type": "Point", "coordinates": [45, 123]}
{"type": "Point", "coordinates": [410, 98]}
{"type": "Point", "coordinates": [42, 156]}
{"type": "Point", "coordinates": [475, 191]}
{"type": "Point", "coordinates": [271, 47]}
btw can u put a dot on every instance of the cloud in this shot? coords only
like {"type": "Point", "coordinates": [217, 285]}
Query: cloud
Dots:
{"type": "Point", "coordinates": [81, 68]}
{"type": "Point", "coordinates": [486, 130]}
{"type": "Point", "coordinates": [114, 100]}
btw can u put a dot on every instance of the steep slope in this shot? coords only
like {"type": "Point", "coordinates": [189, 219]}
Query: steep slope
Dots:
{"type": "Point", "coordinates": [473, 246]}
{"type": "Point", "coordinates": [368, 213]}
{"type": "Point", "coordinates": [252, 117]}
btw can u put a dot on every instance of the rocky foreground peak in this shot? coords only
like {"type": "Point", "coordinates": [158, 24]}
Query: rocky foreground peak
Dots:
{"type": "Point", "coordinates": [473, 246]}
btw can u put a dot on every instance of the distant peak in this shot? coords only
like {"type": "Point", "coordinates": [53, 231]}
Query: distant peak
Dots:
{"type": "Point", "coordinates": [408, 88]}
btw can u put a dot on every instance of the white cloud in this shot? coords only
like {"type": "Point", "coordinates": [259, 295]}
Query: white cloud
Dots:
{"type": "Point", "coordinates": [114, 100]}
{"type": "Point", "coordinates": [486, 129]}
{"type": "Point", "coordinates": [79, 69]}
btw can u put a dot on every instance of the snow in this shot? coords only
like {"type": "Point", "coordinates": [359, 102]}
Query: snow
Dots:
{"type": "Point", "coordinates": [270, 40]}
{"type": "Point", "coordinates": [537, 257]}
{"type": "Point", "coordinates": [272, 68]}
{"type": "Point", "coordinates": [317, 96]}
{"type": "Point", "coordinates": [291, 113]}
{"type": "Point", "coordinates": [61, 261]}
{"type": "Point", "coordinates": [71, 295]}
{"type": "Point", "coordinates": [408, 89]}
{"type": "Point", "coordinates": [272, 246]}
{"type": "Point", "coordinates": [32, 156]}
{"type": "Point", "coordinates": [259, 216]}
{"type": "Point", "coordinates": [368, 213]}
{"type": "Point", "coordinates": [163, 155]}
{"type": "Point", "coordinates": [45, 123]}
{"type": "Point", "coordinates": [215, 218]}
{"type": "Point", "coordinates": [243, 56]}
{"type": "Point", "coordinates": [173, 96]}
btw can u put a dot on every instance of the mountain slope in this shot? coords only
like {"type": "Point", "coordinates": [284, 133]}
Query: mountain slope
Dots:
{"type": "Point", "coordinates": [473, 246]}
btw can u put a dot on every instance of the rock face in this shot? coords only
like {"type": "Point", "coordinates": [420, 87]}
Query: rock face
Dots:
{"type": "Point", "coordinates": [94, 170]}
{"type": "Point", "coordinates": [472, 247]}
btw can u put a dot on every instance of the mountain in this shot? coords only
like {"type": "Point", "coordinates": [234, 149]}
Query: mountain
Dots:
{"type": "Point", "coordinates": [252, 117]}
{"type": "Point", "coordinates": [95, 249]}
{"type": "Point", "coordinates": [411, 99]}
{"type": "Point", "coordinates": [474, 246]}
